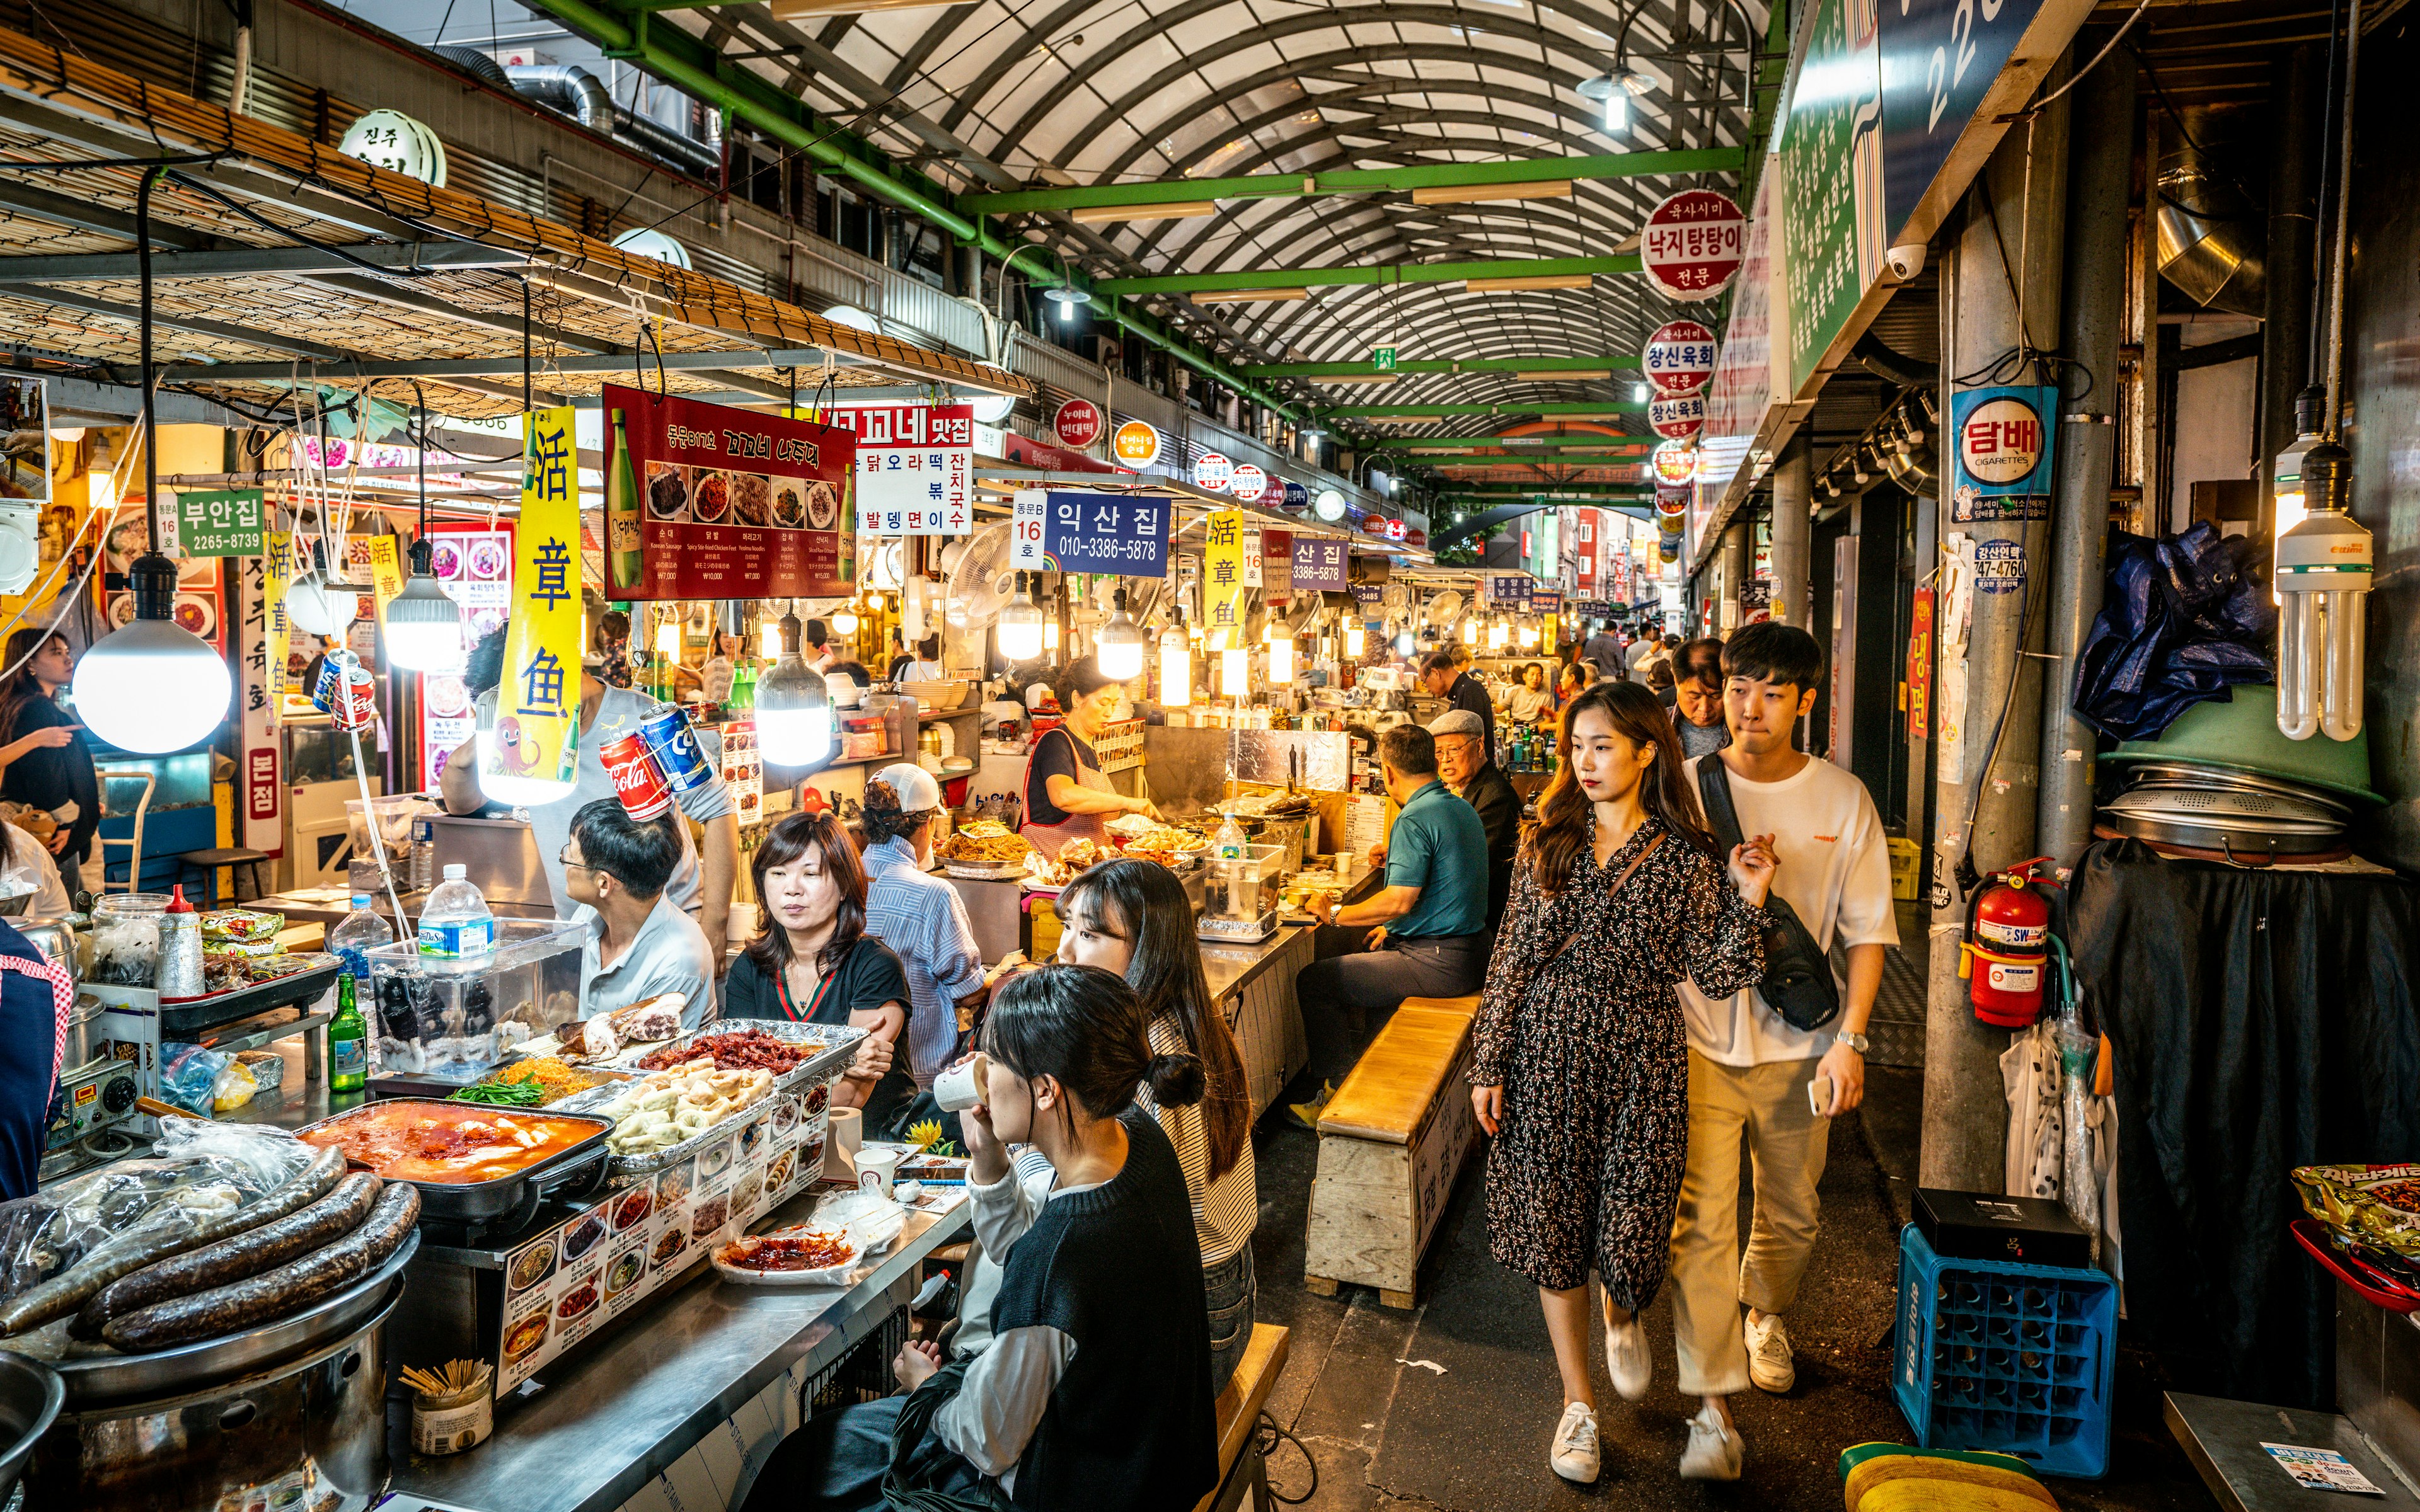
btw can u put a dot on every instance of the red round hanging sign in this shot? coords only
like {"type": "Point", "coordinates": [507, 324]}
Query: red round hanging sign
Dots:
{"type": "Point", "coordinates": [1676, 464]}
{"type": "Point", "coordinates": [1677, 419]}
{"type": "Point", "coordinates": [1693, 244]}
{"type": "Point", "coordinates": [1680, 357]}
{"type": "Point", "coordinates": [1078, 423]}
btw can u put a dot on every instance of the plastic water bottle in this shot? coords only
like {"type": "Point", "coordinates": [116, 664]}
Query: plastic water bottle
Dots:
{"type": "Point", "coordinates": [355, 936]}
{"type": "Point", "coordinates": [456, 928]}
{"type": "Point", "coordinates": [1231, 840]}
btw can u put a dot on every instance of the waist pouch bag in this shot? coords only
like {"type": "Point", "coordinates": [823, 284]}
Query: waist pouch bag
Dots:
{"type": "Point", "coordinates": [1798, 982]}
{"type": "Point", "coordinates": [927, 1475]}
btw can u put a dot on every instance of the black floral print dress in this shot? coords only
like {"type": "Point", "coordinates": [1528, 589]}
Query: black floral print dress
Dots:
{"type": "Point", "coordinates": [1589, 1045]}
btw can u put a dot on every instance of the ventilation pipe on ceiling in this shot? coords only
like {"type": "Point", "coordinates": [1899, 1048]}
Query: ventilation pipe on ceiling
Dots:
{"type": "Point", "coordinates": [580, 94]}
{"type": "Point", "coordinates": [2211, 234]}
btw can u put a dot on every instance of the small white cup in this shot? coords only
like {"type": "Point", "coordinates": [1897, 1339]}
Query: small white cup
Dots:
{"type": "Point", "coordinates": [876, 1168]}
{"type": "Point", "coordinates": [963, 1087]}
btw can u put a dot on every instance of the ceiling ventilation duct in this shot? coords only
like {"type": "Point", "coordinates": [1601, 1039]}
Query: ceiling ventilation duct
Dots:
{"type": "Point", "coordinates": [581, 95]}
{"type": "Point", "coordinates": [2210, 233]}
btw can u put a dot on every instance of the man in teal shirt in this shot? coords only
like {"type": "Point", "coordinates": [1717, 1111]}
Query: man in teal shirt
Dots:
{"type": "Point", "coordinates": [1431, 935]}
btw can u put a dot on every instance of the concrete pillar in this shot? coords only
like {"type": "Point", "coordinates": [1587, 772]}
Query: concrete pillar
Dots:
{"type": "Point", "coordinates": [2100, 181]}
{"type": "Point", "coordinates": [1793, 497]}
{"type": "Point", "coordinates": [1987, 775]}
{"type": "Point", "coordinates": [1733, 562]}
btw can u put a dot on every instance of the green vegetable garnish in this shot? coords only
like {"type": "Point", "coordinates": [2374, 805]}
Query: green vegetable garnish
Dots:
{"type": "Point", "coordinates": [504, 1094]}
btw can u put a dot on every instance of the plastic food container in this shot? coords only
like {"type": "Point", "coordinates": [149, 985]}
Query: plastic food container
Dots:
{"type": "Point", "coordinates": [125, 938]}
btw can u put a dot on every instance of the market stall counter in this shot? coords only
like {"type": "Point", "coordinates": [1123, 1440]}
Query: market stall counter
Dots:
{"type": "Point", "coordinates": [685, 1393]}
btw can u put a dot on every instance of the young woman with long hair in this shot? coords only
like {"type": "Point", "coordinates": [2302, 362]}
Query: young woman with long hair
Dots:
{"type": "Point", "coordinates": [1580, 1064]}
{"type": "Point", "coordinates": [1132, 918]}
{"type": "Point", "coordinates": [812, 963]}
{"type": "Point", "coordinates": [1093, 1388]}
{"type": "Point", "coordinates": [44, 764]}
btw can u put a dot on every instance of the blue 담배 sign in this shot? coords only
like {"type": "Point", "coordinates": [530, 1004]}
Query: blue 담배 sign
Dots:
{"type": "Point", "coordinates": [1939, 57]}
{"type": "Point", "coordinates": [1999, 566]}
{"type": "Point", "coordinates": [1319, 565]}
{"type": "Point", "coordinates": [1106, 532]}
{"type": "Point", "coordinates": [2001, 453]}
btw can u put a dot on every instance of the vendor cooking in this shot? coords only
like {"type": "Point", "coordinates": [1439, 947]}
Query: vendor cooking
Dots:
{"type": "Point", "coordinates": [701, 885]}
{"type": "Point", "coordinates": [639, 946]}
{"type": "Point", "coordinates": [1066, 796]}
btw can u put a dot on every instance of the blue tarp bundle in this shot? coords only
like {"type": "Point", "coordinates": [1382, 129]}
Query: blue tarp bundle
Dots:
{"type": "Point", "coordinates": [2185, 617]}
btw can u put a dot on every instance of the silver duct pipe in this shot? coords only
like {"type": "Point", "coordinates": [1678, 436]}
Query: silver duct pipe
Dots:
{"type": "Point", "coordinates": [2211, 237]}
{"type": "Point", "coordinates": [581, 95]}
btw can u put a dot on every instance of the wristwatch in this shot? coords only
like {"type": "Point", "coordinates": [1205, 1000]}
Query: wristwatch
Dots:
{"type": "Point", "coordinates": [1853, 1040]}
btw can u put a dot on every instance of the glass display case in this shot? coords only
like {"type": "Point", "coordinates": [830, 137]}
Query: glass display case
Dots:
{"type": "Point", "coordinates": [451, 1023]}
{"type": "Point", "coordinates": [1239, 896]}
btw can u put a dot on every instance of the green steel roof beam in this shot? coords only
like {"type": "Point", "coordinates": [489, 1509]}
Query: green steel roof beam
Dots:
{"type": "Point", "coordinates": [1464, 365]}
{"type": "Point", "coordinates": [1258, 278]}
{"type": "Point", "coordinates": [1397, 412]}
{"type": "Point", "coordinates": [1361, 180]}
{"type": "Point", "coordinates": [1492, 463]}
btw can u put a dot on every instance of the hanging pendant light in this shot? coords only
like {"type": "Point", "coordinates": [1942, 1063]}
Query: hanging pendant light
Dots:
{"type": "Point", "coordinates": [1176, 669]}
{"type": "Point", "coordinates": [317, 604]}
{"type": "Point", "coordinates": [1356, 638]}
{"type": "Point", "coordinates": [424, 627]}
{"type": "Point", "coordinates": [151, 687]}
{"type": "Point", "coordinates": [1019, 626]}
{"type": "Point", "coordinates": [1280, 638]}
{"type": "Point", "coordinates": [1122, 644]}
{"type": "Point", "coordinates": [1235, 672]}
{"type": "Point", "coordinates": [843, 619]}
{"type": "Point", "coordinates": [793, 713]}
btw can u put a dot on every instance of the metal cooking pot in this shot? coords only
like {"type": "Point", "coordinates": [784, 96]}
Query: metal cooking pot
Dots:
{"type": "Point", "coordinates": [83, 1037]}
{"type": "Point", "coordinates": [30, 1395]}
{"type": "Point", "coordinates": [310, 1433]}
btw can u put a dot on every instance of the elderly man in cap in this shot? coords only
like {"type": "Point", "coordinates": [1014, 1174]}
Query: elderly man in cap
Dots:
{"type": "Point", "coordinates": [1462, 760]}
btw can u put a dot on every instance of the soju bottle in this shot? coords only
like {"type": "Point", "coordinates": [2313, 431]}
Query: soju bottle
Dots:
{"type": "Point", "coordinates": [349, 1058]}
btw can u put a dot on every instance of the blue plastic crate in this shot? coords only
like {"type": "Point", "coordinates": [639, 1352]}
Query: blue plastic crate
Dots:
{"type": "Point", "coordinates": [2015, 1358]}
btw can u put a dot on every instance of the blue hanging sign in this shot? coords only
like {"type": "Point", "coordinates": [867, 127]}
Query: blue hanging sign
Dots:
{"type": "Point", "coordinates": [1319, 565]}
{"type": "Point", "coordinates": [1511, 589]}
{"type": "Point", "coordinates": [2002, 453]}
{"type": "Point", "coordinates": [1297, 497]}
{"type": "Point", "coordinates": [1121, 533]}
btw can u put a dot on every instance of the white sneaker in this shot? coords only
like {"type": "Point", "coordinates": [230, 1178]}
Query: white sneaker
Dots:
{"type": "Point", "coordinates": [1714, 1449]}
{"type": "Point", "coordinates": [1768, 1355]}
{"type": "Point", "coordinates": [1575, 1456]}
{"type": "Point", "coordinates": [1627, 1358]}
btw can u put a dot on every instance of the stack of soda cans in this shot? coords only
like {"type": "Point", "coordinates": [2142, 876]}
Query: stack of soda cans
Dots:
{"type": "Point", "coordinates": [651, 763]}
{"type": "Point", "coordinates": [345, 691]}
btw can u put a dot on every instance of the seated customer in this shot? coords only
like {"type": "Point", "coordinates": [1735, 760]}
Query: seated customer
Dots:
{"type": "Point", "coordinates": [812, 963]}
{"type": "Point", "coordinates": [1094, 1391]}
{"type": "Point", "coordinates": [639, 946]}
{"type": "Point", "coordinates": [1430, 918]}
{"type": "Point", "coordinates": [1462, 761]}
{"type": "Point", "coordinates": [922, 918]}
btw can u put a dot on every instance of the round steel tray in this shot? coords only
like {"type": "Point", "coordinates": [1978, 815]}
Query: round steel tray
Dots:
{"type": "Point", "coordinates": [116, 1378]}
{"type": "Point", "coordinates": [2220, 778]}
{"type": "Point", "coordinates": [2248, 840]}
{"type": "Point", "coordinates": [2203, 806]}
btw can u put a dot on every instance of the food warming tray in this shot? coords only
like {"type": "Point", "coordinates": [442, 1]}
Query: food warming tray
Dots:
{"type": "Point", "coordinates": [194, 1015]}
{"type": "Point", "coordinates": [840, 1049]}
{"type": "Point", "coordinates": [119, 1378]}
{"type": "Point", "coordinates": [571, 1173]}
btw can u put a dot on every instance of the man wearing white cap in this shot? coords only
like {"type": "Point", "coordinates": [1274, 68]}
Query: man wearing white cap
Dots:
{"type": "Point", "coordinates": [920, 916]}
{"type": "Point", "coordinates": [1462, 761]}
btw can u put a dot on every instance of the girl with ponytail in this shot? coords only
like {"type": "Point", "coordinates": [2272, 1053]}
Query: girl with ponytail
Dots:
{"type": "Point", "coordinates": [1094, 1390]}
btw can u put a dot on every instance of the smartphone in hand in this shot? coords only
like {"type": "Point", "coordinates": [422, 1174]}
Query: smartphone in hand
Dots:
{"type": "Point", "coordinates": [1819, 1095]}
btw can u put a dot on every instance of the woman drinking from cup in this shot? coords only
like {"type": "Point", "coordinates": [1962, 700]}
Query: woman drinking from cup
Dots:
{"type": "Point", "coordinates": [812, 963]}
{"type": "Point", "coordinates": [1132, 918]}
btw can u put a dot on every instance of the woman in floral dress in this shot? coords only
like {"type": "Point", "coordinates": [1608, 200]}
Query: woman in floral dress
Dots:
{"type": "Point", "coordinates": [1580, 1067]}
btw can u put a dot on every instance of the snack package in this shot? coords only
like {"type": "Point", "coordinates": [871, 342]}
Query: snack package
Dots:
{"type": "Point", "coordinates": [2368, 1204]}
{"type": "Point", "coordinates": [240, 924]}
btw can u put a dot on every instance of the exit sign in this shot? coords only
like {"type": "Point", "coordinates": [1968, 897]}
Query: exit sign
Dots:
{"type": "Point", "coordinates": [1383, 359]}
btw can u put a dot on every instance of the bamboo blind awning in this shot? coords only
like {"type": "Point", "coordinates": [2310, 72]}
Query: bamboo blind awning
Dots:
{"type": "Point", "coordinates": [589, 298]}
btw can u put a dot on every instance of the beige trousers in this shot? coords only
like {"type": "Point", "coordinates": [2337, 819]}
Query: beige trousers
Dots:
{"type": "Point", "coordinates": [1710, 1277]}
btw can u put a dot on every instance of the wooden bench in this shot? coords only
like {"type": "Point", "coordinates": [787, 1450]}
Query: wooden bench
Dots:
{"type": "Point", "coordinates": [1243, 1475]}
{"type": "Point", "coordinates": [1391, 1141]}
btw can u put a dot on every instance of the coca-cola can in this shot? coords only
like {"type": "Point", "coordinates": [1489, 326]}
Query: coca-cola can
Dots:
{"type": "Point", "coordinates": [638, 781]}
{"type": "Point", "coordinates": [357, 701]}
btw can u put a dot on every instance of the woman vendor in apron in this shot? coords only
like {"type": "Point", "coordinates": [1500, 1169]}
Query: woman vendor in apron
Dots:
{"type": "Point", "coordinates": [1066, 796]}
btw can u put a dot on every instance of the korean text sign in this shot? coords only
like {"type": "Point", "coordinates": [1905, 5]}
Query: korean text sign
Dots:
{"type": "Point", "coordinates": [219, 523]}
{"type": "Point", "coordinates": [1230, 567]}
{"type": "Point", "coordinates": [2003, 465]}
{"type": "Point", "coordinates": [1121, 533]}
{"type": "Point", "coordinates": [702, 500]}
{"type": "Point", "coordinates": [915, 468]}
{"type": "Point", "coordinates": [1319, 565]}
{"type": "Point", "coordinates": [537, 706]}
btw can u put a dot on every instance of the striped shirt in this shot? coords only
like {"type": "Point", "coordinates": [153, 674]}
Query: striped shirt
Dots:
{"type": "Point", "coordinates": [924, 920]}
{"type": "Point", "coordinates": [1224, 1211]}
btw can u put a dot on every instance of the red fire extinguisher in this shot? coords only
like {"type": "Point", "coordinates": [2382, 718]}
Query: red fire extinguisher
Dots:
{"type": "Point", "coordinates": [2007, 929]}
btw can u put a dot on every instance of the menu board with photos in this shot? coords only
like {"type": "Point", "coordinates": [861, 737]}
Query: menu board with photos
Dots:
{"type": "Point", "coordinates": [702, 500]}
{"type": "Point", "coordinates": [743, 771]}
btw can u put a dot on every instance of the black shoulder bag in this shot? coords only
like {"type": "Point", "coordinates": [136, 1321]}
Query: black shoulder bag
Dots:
{"type": "Point", "coordinates": [1797, 974]}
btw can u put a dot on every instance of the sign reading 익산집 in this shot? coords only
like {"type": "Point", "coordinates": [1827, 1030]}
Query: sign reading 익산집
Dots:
{"type": "Point", "coordinates": [1112, 533]}
{"type": "Point", "coordinates": [702, 500]}
{"type": "Point", "coordinates": [1319, 565]}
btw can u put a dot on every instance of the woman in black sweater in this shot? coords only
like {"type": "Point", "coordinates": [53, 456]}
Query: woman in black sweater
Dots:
{"type": "Point", "coordinates": [1094, 1391]}
{"type": "Point", "coordinates": [812, 963]}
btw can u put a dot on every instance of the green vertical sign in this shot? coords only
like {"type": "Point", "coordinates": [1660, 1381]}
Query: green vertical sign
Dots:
{"type": "Point", "coordinates": [226, 523]}
{"type": "Point", "coordinates": [1831, 181]}
{"type": "Point", "coordinates": [1383, 359]}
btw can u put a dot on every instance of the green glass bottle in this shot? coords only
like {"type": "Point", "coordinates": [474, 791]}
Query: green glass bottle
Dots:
{"type": "Point", "coordinates": [349, 1041]}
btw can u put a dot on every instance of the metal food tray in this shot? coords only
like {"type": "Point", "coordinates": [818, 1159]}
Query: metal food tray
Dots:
{"type": "Point", "coordinates": [115, 1378]}
{"type": "Point", "coordinates": [814, 1070]}
{"type": "Point", "coordinates": [194, 1016]}
{"type": "Point", "coordinates": [569, 1173]}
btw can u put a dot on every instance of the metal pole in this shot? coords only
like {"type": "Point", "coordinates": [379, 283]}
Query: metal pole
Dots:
{"type": "Point", "coordinates": [1793, 497]}
{"type": "Point", "coordinates": [2343, 223]}
{"type": "Point", "coordinates": [1732, 564]}
{"type": "Point", "coordinates": [1986, 781]}
{"type": "Point", "coordinates": [2097, 228]}
{"type": "Point", "coordinates": [2292, 256]}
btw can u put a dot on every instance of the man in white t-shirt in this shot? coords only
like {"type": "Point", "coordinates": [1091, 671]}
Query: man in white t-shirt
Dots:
{"type": "Point", "coordinates": [1645, 649]}
{"type": "Point", "coordinates": [1751, 1071]}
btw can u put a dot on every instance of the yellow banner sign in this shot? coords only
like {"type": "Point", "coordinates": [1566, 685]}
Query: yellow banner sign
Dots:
{"type": "Point", "coordinates": [276, 549]}
{"type": "Point", "coordinates": [386, 571]}
{"type": "Point", "coordinates": [536, 737]}
{"type": "Point", "coordinates": [1225, 580]}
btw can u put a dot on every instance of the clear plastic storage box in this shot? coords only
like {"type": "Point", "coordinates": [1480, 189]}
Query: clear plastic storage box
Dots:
{"type": "Point", "coordinates": [452, 1020]}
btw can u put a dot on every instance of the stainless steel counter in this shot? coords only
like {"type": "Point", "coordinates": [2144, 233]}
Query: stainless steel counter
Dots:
{"type": "Point", "coordinates": [604, 1423]}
